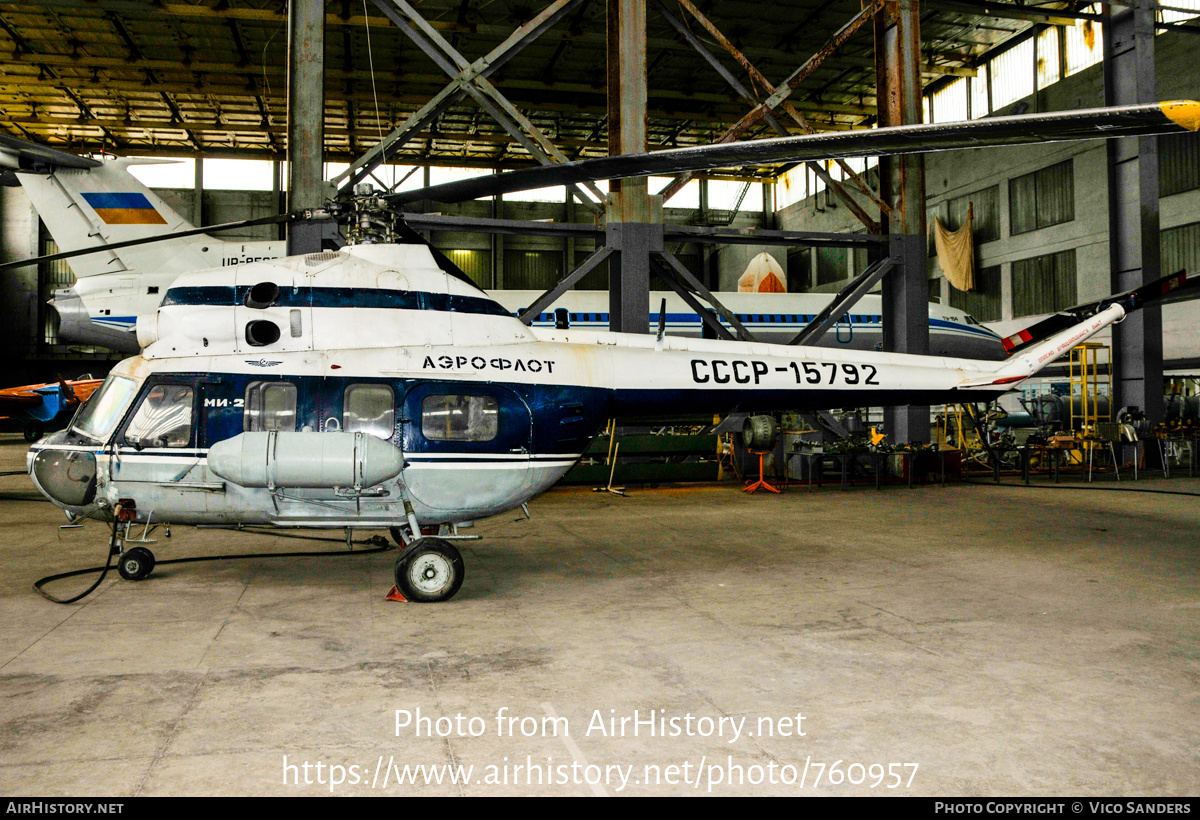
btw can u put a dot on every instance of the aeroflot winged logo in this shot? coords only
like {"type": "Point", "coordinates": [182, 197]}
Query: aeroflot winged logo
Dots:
{"type": "Point", "coordinates": [124, 209]}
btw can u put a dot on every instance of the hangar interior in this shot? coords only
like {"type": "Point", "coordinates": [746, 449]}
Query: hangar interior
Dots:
{"type": "Point", "coordinates": [1008, 641]}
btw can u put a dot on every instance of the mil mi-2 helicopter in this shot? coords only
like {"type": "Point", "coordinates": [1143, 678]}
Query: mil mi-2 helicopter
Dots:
{"type": "Point", "coordinates": [449, 408]}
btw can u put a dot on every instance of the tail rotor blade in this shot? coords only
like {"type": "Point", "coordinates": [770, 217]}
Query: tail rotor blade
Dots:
{"type": "Point", "coordinates": [1176, 287]}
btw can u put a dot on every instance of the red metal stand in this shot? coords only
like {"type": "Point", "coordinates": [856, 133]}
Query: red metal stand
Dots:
{"type": "Point", "coordinates": [762, 482]}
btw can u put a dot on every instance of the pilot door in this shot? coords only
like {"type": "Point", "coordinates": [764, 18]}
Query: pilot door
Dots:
{"type": "Point", "coordinates": [156, 457]}
{"type": "Point", "coordinates": [468, 447]}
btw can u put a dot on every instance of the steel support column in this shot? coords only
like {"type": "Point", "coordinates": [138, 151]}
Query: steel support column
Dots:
{"type": "Point", "coordinates": [198, 198]}
{"type": "Point", "coordinates": [902, 179]}
{"type": "Point", "coordinates": [1133, 209]}
{"type": "Point", "coordinates": [306, 120]}
{"type": "Point", "coordinates": [629, 230]}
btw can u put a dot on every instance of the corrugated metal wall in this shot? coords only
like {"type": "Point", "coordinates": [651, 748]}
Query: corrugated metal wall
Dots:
{"type": "Point", "coordinates": [474, 263]}
{"type": "Point", "coordinates": [1043, 198]}
{"type": "Point", "coordinates": [1180, 249]}
{"type": "Point", "coordinates": [1178, 163]}
{"type": "Point", "coordinates": [531, 270]}
{"type": "Point", "coordinates": [1043, 284]}
{"type": "Point", "coordinates": [984, 302]}
{"type": "Point", "coordinates": [51, 276]}
{"type": "Point", "coordinates": [986, 209]}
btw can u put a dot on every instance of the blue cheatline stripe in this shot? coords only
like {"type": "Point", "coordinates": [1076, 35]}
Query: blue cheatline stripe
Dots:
{"type": "Point", "coordinates": [134, 201]}
{"type": "Point", "coordinates": [228, 295]}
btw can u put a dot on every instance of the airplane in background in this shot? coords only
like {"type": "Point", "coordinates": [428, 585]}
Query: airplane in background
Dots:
{"type": "Point", "coordinates": [102, 203]}
{"type": "Point", "coordinates": [42, 407]}
{"type": "Point", "coordinates": [450, 408]}
{"type": "Point", "coordinates": [91, 203]}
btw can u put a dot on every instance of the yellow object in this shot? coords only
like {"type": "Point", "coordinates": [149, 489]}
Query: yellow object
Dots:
{"type": "Point", "coordinates": [1184, 113]}
{"type": "Point", "coordinates": [876, 438]}
{"type": "Point", "coordinates": [1086, 383]}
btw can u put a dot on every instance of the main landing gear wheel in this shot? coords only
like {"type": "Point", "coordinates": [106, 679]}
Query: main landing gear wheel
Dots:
{"type": "Point", "coordinates": [34, 431]}
{"type": "Point", "coordinates": [430, 570]}
{"type": "Point", "coordinates": [136, 564]}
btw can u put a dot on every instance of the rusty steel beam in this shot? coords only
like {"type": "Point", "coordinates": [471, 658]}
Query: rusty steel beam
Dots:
{"type": "Point", "coordinates": [475, 84]}
{"type": "Point", "coordinates": [784, 90]}
{"type": "Point", "coordinates": [788, 108]}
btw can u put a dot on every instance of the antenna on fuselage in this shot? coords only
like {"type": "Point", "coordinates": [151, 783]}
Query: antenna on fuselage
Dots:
{"type": "Point", "coordinates": [662, 325]}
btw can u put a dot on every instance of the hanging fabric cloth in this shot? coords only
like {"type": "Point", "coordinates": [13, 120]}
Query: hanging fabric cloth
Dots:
{"type": "Point", "coordinates": [956, 252]}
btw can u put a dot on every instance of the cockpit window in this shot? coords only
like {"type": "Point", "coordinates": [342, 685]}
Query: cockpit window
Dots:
{"type": "Point", "coordinates": [100, 415]}
{"type": "Point", "coordinates": [459, 418]}
{"type": "Point", "coordinates": [164, 418]}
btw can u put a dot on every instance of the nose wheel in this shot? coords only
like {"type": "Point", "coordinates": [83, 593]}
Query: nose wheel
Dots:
{"type": "Point", "coordinates": [430, 570]}
{"type": "Point", "coordinates": [135, 564]}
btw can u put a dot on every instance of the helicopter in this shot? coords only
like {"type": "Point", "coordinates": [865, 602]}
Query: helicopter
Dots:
{"type": "Point", "coordinates": [449, 408]}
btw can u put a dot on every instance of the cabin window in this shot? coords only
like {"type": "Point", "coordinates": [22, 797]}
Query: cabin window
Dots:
{"type": "Point", "coordinates": [164, 418]}
{"type": "Point", "coordinates": [369, 408]}
{"type": "Point", "coordinates": [104, 409]}
{"type": "Point", "coordinates": [459, 418]}
{"type": "Point", "coordinates": [270, 406]}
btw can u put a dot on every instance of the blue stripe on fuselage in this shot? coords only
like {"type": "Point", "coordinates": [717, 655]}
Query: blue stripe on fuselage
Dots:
{"type": "Point", "coordinates": [227, 295]}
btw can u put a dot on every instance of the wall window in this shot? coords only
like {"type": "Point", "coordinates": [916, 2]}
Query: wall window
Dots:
{"type": "Point", "coordinates": [1042, 199]}
{"type": "Point", "coordinates": [459, 418]}
{"type": "Point", "coordinates": [983, 303]}
{"type": "Point", "coordinates": [985, 206]}
{"type": "Point", "coordinates": [270, 406]}
{"type": "Point", "coordinates": [1178, 163]}
{"type": "Point", "coordinates": [1180, 249]}
{"type": "Point", "coordinates": [1044, 284]}
{"type": "Point", "coordinates": [369, 408]}
{"type": "Point", "coordinates": [164, 418]}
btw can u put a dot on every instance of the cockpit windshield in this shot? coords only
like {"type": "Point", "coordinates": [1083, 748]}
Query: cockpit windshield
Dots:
{"type": "Point", "coordinates": [100, 415]}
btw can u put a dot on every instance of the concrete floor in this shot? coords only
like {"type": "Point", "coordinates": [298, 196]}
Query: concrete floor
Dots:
{"type": "Point", "coordinates": [1008, 641]}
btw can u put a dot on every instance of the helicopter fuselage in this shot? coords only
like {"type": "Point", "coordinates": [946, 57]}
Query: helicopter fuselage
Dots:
{"type": "Point", "coordinates": [242, 406]}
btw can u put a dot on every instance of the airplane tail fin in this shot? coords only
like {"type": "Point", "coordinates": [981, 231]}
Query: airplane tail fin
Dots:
{"type": "Point", "coordinates": [91, 206]}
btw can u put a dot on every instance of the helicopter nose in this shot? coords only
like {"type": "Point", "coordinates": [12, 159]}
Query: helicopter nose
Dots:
{"type": "Point", "coordinates": [67, 477]}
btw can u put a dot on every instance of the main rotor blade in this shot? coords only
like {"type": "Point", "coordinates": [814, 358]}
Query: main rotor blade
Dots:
{"type": "Point", "coordinates": [22, 155]}
{"type": "Point", "coordinates": [225, 226]}
{"type": "Point", "coordinates": [1095, 123]}
{"type": "Point", "coordinates": [1174, 288]}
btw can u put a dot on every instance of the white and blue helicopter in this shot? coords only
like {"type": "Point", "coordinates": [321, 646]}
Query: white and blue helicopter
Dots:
{"type": "Point", "coordinates": [378, 387]}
